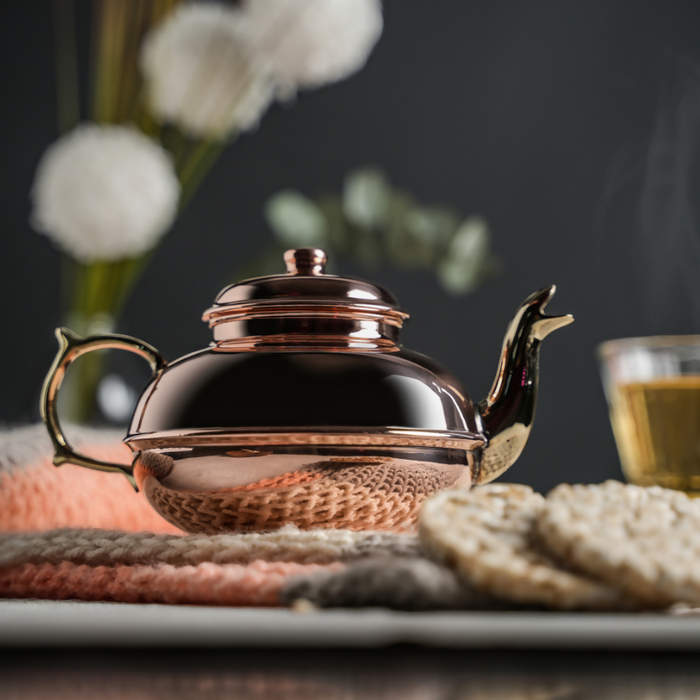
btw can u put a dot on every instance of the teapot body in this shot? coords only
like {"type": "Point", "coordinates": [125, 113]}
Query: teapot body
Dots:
{"type": "Point", "coordinates": [311, 438]}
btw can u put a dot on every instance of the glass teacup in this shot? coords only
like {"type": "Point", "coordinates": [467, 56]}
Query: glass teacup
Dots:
{"type": "Point", "coordinates": [653, 390]}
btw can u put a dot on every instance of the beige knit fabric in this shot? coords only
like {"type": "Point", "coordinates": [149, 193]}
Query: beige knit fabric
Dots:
{"type": "Point", "coordinates": [112, 548]}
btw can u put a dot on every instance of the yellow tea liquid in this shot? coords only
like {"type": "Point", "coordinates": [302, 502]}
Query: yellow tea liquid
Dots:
{"type": "Point", "coordinates": [657, 430]}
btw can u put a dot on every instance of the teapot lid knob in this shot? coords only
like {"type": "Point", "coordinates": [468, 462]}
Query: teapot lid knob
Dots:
{"type": "Point", "coordinates": [306, 261]}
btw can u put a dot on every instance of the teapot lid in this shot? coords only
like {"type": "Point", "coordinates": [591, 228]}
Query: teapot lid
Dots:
{"type": "Point", "coordinates": [305, 301]}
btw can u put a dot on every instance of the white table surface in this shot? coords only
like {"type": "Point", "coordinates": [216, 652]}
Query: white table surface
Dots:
{"type": "Point", "coordinates": [50, 623]}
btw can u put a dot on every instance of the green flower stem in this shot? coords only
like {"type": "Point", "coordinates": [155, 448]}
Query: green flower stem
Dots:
{"type": "Point", "coordinates": [109, 45]}
{"type": "Point", "coordinates": [99, 292]}
{"type": "Point", "coordinates": [129, 78]}
{"type": "Point", "coordinates": [66, 66]}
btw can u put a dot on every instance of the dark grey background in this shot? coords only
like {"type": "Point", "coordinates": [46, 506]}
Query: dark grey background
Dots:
{"type": "Point", "coordinates": [506, 108]}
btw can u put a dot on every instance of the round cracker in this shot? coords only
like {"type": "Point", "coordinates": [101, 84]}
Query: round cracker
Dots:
{"type": "Point", "coordinates": [486, 535]}
{"type": "Point", "coordinates": [644, 540]}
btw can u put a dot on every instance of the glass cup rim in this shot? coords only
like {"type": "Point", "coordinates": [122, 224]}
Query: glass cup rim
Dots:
{"type": "Point", "coordinates": [609, 347]}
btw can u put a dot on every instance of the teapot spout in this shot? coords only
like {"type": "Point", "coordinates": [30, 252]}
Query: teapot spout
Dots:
{"type": "Point", "coordinates": [508, 412]}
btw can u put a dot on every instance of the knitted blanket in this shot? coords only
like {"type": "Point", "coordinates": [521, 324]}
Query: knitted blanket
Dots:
{"type": "Point", "coordinates": [73, 533]}
{"type": "Point", "coordinates": [35, 495]}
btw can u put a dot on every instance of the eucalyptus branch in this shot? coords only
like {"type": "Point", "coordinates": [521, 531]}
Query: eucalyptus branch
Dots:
{"type": "Point", "coordinates": [373, 223]}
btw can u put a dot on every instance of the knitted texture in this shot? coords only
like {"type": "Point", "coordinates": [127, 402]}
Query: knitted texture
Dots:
{"type": "Point", "coordinates": [247, 569]}
{"type": "Point", "coordinates": [35, 495]}
{"type": "Point", "coordinates": [410, 583]}
{"type": "Point", "coordinates": [330, 568]}
{"type": "Point", "coordinates": [205, 584]}
{"type": "Point", "coordinates": [112, 548]}
{"type": "Point", "coordinates": [23, 446]}
{"type": "Point", "coordinates": [351, 493]}
{"type": "Point", "coordinates": [355, 493]}
{"type": "Point", "coordinates": [139, 558]}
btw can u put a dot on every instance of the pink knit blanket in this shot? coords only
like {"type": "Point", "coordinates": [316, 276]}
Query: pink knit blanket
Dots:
{"type": "Point", "coordinates": [73, 533]}
{"type": "Point", "coordinates": [35, 495]}
{"type": "Point", "coordinates": [256, 584]}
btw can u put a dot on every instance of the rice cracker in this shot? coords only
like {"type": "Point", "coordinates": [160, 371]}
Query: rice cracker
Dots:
{"type": "Point", "coordinates": [643, 540]}
{"type": "Point", "coordinates": [487, 535]}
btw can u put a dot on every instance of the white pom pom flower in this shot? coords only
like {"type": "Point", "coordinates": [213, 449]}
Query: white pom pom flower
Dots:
{"type": "Point", "coordinates": [104, 193]}
{"type": "Point", "coordinates": [199, 75]}
{"type": "Point", "coordinates": [307, 43]}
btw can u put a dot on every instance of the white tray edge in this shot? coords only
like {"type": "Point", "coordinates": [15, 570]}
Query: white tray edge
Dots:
{"type": "Point", "coordinates": [72, 623]}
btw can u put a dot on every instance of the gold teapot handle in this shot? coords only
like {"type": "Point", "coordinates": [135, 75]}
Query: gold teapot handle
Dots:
{"type": "Point", "coordinates": [71, 347]}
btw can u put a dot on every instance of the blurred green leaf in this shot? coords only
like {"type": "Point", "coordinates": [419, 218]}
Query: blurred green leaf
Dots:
{"type": "Point", "coordinates": [395, 237]}
{"type": "Point", "coordinates": [295, 220]}
{"type": "Point", "coordinates": [339, 232]}
{"type": "Point", "coordinates": [465, 263]}
{"type": "Point", "coordinates": [366, 196]}
{"type": "Point", "coordinates": [371, 222]}
{"type": "Point", "coordinates": [471, 238]}
{"type": "Point", "coordinates": [432, 226]}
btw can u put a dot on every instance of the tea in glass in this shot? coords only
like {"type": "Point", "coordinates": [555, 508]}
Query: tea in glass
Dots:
{"type": "Point", "coordinates": [653, 391]}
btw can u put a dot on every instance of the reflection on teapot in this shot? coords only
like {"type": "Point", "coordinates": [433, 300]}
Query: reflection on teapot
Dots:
{"type": "Point", "coordinates": [306, 410]}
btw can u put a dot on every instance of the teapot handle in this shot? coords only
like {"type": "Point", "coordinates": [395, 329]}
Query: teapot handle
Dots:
{"type": "Point", "coordinates": [72, 346]}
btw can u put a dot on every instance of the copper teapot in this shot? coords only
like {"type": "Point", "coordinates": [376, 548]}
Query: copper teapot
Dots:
{"type": "Point", "coordinates": [306, 410]}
